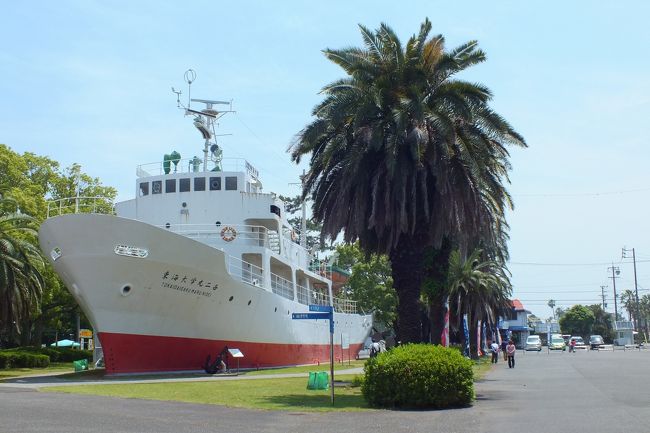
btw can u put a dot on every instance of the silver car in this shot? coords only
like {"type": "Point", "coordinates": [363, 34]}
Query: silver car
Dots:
{"type": "Point", "coordinates": [534, 343]}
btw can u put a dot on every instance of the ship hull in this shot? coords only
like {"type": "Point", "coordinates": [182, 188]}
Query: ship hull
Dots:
{"type": "Point", "coordinates": [163, 302]}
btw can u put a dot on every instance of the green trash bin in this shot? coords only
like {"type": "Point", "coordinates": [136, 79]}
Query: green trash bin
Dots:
{"type": "Point", "coordinates": [80, 365]}
{"type": "Point", "coordinates": [318, 380]}
{"type": "Point", "coordinates": [311, 382]}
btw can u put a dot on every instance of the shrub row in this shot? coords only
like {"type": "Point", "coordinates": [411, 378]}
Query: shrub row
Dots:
{"type": "Point", "coordinates": [11, 359]}
{"type": "Point", "coordinates": [418, 376]}
{"type": "Point", "coordinates": [40, 357]}
{"type": "Point", "coordinates": [57, 354]}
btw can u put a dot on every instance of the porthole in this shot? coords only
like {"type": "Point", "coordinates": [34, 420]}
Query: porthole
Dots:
{"type": "Point", "coordinates": [167, 225]}
{"type": "Point", "coordinates": [249, 301]}
{"type": "Point", "coordinates": [231, 298]}
{"type": "Point", "coordinates": [184, 204]}
{"type": "Point", "coordinates": [276, 310]}
{"type": "Point", "coordinates": [126, 290]}
{"type": "Point", "coordinates": [218, 223]}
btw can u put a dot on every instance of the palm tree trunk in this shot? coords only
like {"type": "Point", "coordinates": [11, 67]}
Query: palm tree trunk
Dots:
{"type": "Point", "coordinates": [437, 271]}
{"type": "Point", "coordinates": [473, 334]}
{"type": "Point", "coordinates": [406, 260]}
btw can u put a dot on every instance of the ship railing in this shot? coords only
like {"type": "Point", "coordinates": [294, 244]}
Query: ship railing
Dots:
{"type": "Point", "coordinates": [84, 204]}
{"type": "Point", "coordinates": [193, 165]}
{"type": "Point", "coordinates": [313, 297]}
{"type": "Point", "coordinates": [244, 271]}
{"type": "Point", "coordinates": [224, 234]}
{"type": "Point", "coordinates": [281, 286]}
{"type": "Point", "coordinates": [345, 306]}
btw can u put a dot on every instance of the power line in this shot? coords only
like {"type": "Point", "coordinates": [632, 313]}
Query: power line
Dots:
{"type": "Point", "coordinates": [582, 194]}
{"type": "Point", "coordinates": [570, 264]}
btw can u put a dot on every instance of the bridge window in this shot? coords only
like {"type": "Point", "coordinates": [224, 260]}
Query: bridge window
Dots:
{"type": "Point", "coordinates": [144, 189]}
{"type": "Point", "coordinates": [156, 187]}
{"type": "Point", "coordinates": [215, 183]}
{"type": "Point", "coordinates": [170, 185]}
{"type": "Point", "coordinates": [184, 185]}
{"type": "Point", "coordinates": [231, 183]}
{"type": "Point", "coordinates": [275, 210]}
{"type": "Point", "coordinates": [199, 184]}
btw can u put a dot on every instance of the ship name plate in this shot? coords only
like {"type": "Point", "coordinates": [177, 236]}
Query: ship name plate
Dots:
{"type": "Point", "coordinates": [129, 251]}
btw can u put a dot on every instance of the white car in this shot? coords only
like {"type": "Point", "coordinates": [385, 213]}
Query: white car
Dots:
{"type": "Point", "coordinates": [534, 343]}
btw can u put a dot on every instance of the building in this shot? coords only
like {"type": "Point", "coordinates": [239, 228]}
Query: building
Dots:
{"type": "Point", "coordinates": [515, 324]}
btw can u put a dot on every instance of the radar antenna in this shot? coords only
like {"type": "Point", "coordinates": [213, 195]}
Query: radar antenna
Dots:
{"type": "Point", "coordinates": [204, 120]}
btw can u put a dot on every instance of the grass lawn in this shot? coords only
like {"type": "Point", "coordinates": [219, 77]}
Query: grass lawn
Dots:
{"type": "Point", "coordinates": [271, 394]}
{"type": "Point", "coordinates": [285, 394]}
{"type": "Point", "coordinates": [307, 368]}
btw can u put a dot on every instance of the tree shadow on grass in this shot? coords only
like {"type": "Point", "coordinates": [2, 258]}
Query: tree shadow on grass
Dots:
{"type": "Point", "coordinates": [319, 401]}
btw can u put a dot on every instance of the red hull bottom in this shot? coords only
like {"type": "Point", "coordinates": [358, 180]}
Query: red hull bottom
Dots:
{"type": "Point", "coordinates": [129, 353]}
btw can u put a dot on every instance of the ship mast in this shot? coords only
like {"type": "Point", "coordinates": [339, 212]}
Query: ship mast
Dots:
{"type": "Point", "coordinates": [204, 120]}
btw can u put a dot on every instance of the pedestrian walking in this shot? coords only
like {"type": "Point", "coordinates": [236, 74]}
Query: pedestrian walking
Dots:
{"type": "Point", "coordinates": [504, 344]}
{"type": "Point", "coordinates": [494, 348]}
{"type": "Point", "coordinates": [511, 349]}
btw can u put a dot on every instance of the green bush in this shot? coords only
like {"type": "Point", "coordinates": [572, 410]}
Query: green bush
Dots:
{"type": "Point", "coordinates": [418, 376]}
{"type": "Point", "coordinates": [57, 354]}
{"type": "Point", "coordinates": [16, 359]}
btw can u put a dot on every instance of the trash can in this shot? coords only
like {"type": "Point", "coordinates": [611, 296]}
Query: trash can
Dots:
{"type": "Point", "coordinates": [318, 380]}
{"type": "Point", "coordinates": [80, 365]}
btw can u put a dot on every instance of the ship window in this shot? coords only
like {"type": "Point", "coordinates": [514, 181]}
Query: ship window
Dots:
{"type": "Point", "coordinates": [199, 184]}
{"type": "Point", "coordinates": [231, 183]}
{"type": "Point", "coordinates": [215, 183]}
{"type": "Point", "coordinates": [170, 185]}
{"type": "Point", "coordinates": [144, 188]}
{"type": "Point", "coordinates": [156, 187]}
{"type": "Point", "coordinates": [184, 185]}
{"type": "Point", "coordinates": [275, 210]}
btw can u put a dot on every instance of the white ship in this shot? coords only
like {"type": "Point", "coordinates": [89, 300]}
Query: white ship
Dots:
{"type": "Point", "coordinates": [201, 259]}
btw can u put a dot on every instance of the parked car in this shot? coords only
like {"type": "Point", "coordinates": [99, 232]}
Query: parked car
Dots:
{"type": "Point", "coordinates": [557, 343]}
{"type": "Point", "coordinates": [595, 341]}
{"type": "Point", "coordinates": [533, 343]}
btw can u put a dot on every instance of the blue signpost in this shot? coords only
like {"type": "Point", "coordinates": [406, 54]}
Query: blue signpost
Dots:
{"type": "Point", "coordinates": [325, 312]}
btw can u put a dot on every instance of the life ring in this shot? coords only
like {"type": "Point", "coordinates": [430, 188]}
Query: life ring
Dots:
{"type": "Point", "coordinates": [228, 233]}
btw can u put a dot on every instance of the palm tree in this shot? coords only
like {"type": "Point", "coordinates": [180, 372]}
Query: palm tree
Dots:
{"type": "Point", "coordinates": [628, 300]}
{"type": "Point", "coordinates": [551, 304]}
{"type": "Point", "coordinates": [478, 288]}
{"type": "Point", "coordinates": [21, 283]}
{"type": "Point", "coordinates": [404, 156]}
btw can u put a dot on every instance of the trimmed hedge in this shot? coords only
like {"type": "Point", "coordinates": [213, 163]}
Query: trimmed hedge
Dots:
{"type": "Point", "coordinates": [418, 376]}
{"type": "Point", "coordinates": [12, 359]}
{"type": "Point", "coordinates": [40, 357]}
{"type": "Point", "coordinates": [57, 354]}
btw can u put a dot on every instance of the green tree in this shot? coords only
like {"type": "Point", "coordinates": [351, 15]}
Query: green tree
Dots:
{"type": "Point", "coordinates": [21, 282]}
{"type": "Point", "coordinates": [478, 288]}
{"type": "Point", "coordinates": [404, 156]}
{"type": "Point", "coordinates": [370, 283]}
{"type": "Point", "coordinates": [577, 320]}
{"type": "Point", "coordinates": [628, 301]}
{"type": "Point", "coordinates": [602, 323]}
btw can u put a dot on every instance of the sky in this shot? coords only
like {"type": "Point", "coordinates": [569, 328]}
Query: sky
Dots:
{"type": "Point", "coordinates": [89, 82]}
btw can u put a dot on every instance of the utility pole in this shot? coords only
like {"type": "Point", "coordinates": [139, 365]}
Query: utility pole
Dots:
{"type": "Point", "coordinates": [615, 271]}
{"type": "Point", "coordinates": [602, 294]}
{"type": "Point", "coordinates": [636, 289]}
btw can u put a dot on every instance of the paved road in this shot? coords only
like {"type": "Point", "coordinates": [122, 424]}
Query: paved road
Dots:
{"type": "Point", "coordinates": [583, 392]}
